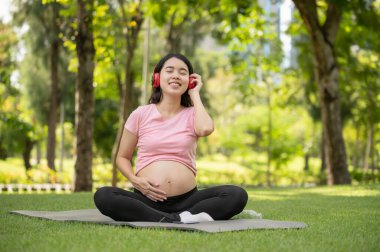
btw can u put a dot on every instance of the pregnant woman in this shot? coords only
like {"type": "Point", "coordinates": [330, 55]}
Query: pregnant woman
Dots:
{"type": "Point", "coordinates": [165, 133]}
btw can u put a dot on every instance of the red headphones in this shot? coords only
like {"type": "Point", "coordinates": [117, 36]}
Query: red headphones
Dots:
{"type": "Point", "coordinates": [156, 81]}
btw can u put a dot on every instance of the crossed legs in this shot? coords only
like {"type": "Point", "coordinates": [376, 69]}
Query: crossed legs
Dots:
{"type": "Point", "coordinates": [220, 202]}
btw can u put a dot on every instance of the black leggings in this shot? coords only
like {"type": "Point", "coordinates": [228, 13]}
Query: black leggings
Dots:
{"type": "Point", "coordinates": [220, 202]}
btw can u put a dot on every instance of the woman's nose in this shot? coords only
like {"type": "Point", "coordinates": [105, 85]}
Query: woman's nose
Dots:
{"type": "Point", "coordinates": [175, 75]}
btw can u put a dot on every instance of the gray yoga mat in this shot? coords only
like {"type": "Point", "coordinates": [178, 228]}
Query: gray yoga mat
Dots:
{"type": "Point", "coordinates": [94, 216]}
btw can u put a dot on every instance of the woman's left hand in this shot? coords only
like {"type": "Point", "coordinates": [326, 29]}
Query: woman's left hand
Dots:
{"type": "Point", "coordinates": [197, 80]}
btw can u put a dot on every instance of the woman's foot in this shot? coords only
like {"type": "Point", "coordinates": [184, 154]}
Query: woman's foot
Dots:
{"type": "Point", "coordinates": [188, 218]}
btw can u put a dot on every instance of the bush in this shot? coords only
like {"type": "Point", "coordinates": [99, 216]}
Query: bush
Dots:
{"type": "Point", "coordinates": [359, 176]}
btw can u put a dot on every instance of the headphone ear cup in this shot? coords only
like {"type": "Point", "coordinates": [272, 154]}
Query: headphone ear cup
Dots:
{"type": "Point", "coordinates": [156, 80]}
{"type": "Point", "coordinates": [191, 85]}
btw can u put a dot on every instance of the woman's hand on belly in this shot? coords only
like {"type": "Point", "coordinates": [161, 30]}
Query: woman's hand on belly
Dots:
{"type": "Point", "coordinates": [172, 177]}
{"type": "Point", "coordinates": [149, 188]}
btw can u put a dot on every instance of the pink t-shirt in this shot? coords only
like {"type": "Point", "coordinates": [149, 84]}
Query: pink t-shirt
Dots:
{"type": "Point", "coordinates": [163, 139]}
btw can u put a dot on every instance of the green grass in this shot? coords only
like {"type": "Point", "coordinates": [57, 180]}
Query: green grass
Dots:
{"type": "Point", "coordinates": [341, 218]}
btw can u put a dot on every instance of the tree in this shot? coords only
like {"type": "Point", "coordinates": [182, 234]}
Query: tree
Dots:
{"type": "Point", "coordinates": [185, 23]}
{"type": "Point", "coordinates": [55, 45]}
{"type": "Point", "coordinates": [255, 58]}
{"type": "Point", "coordinates": [16, 135]}
{"type": "Point", "coordinates": [303, 73]}
{"type": "Point", "coordinates": [84, 109]}
{"type": "Point", "coordinates": [44, 19]}
{"type": "Point", "coordinates": [358, 53]}
{"type": "Point", "coordinates": [128, 95]}
{"type": "Point", "coordinates": [326, 68]}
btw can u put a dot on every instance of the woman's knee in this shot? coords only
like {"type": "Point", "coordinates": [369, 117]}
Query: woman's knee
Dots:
{"type": "Point", "coordinates": [101, 196]}
{"type": "Point", "coordinates": [238, 196]}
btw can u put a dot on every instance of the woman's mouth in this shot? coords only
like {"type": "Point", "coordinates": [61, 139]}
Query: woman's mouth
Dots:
{"type": "Point", "coordinates": [175, 84]}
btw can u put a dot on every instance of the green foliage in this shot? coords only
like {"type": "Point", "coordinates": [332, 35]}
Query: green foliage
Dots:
{"type": "Point", "coordinates": [248, 134]}
{"type": "Point", "coordinates": [212, 170]}
{"type": "Point", "coordinates": [34, 76]}
{"type": "Point", "coordinates": [9, 97]}
{"type": "Point", "coordinates": [357, 51]}
{"type": "Point", "coordinates": [105, 127]}
{"type": "Point", "coordinates": [69, 139]}
{"type": "Point", "coordinates": [12, 171]}
{"type": "Point", "coordinates": [358, 54]}
{"type": "Point", "coordinates": [14, 133]}
{"type": "Point", "coordinates": [7, 64]}
{"type": "Point", "coordinates": [240, 78]}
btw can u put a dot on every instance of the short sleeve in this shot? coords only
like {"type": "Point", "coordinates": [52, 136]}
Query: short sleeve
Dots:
{"type": "Point", "coordinates": [132, 123]}
{"type": "Point", "coordinates": [192, 120]}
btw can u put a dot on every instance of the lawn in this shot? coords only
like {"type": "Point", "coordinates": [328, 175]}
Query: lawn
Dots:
{"type": "Point", "coordinates": [341, 218]}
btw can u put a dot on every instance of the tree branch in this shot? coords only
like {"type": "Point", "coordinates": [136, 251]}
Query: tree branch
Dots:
{"type": "Point", "coordinates": [121, 3]}
{"type": "Point", "coordinates": [133, 32]}
{"type": "Point", "coordinates": [43, 22]}
{"type": "Point", "coordinates": [171, 26]}
{"type": "Point", "coordinates": [331, 25]}
{"type": "Point", "coordinates": [123, 16]}
{"type": "Point", "coordinates": [308, 12]}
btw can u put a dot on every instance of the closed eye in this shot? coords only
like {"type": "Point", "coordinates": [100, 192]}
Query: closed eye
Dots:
{"type": "Point", "coordinates": [170, 69]}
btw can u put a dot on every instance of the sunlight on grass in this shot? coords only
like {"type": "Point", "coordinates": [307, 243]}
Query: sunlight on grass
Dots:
{"type": "Point", "coordinates": [255, 197]}
{"type": "Point", "coordinates": [353, 191]}
{"type": "Point", "coordinates": [277, 194]}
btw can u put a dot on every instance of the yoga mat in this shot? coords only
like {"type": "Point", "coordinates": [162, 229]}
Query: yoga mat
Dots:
{"type": "Point", "coordinates": [94, 216]}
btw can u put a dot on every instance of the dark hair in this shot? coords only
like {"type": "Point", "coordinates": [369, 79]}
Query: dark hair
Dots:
{"type": "Point", "coordinates": [156, 91]}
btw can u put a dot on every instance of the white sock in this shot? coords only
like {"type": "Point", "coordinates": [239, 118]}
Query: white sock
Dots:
{"type": "Point", "coordinates": [187, 217]}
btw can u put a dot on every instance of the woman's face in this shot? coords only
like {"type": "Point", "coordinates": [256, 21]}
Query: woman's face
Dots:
{"type": "Point", "coordinates": [174, 77]}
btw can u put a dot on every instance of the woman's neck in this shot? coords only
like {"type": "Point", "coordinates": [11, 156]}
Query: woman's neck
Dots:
{"type": "Point", "coordinates": [169, 106]}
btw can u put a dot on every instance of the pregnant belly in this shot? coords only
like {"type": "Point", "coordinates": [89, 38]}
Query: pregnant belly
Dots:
{"type": "Point", "coordinates": [174, 178]}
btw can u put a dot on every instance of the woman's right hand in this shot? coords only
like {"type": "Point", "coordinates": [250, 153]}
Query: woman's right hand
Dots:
{"type": "Point", "coordinates": [148, 188]}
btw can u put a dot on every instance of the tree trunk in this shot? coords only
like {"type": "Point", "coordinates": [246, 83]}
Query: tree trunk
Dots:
{"type": "Point", "coordinates": [173, 41]}
{"type": "Point", "coordinates": [306, 159]}
{"type": "Point", "coordinates": [269, 147]}
{"type": "Point", "coordinates": [27, 153]}
{"type": "Point", "coordinates": [373, 158]}
{"type": "Point", "coordinates": [323, 173]}
{"type": "Point", "coordinates": [129, 94]}
{"type": "Point", "coordinates": [52, 121]}
{"type": "Point", "coordinates": [127, 104]}
{"type": "Point", "coordinates": [371, 136]}
{"type": "Point", "coordinates": [375, 165]}
{"type": "Point", "coordinates": [38, 152]}
{"type": "Point", "coordinates": [369, 157]}
{"type": "Point", "coordinates": [356, 156]}
{"type": "Point", "coordinates": [62, 144]}
{"type": "Point", "coordinates": [115, 148]}
{"type": "Point", "coordinates": [3, 152]}
{"type": "Point", "coordinates": [335, 149]}
{"type": "Point", "coordinates": [323, 153]}
{"type": "Point", "coordinates": [84, 97]}
{"type": "Point", "coordinates": [146, 75]}
{"type": "Point", "coordinates": [322, 40]}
